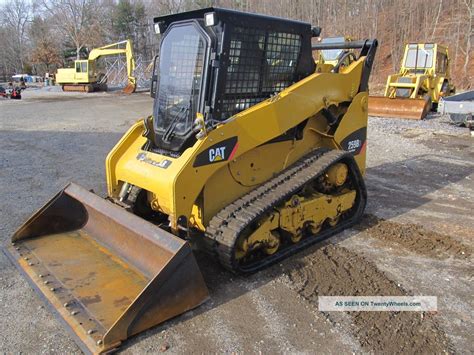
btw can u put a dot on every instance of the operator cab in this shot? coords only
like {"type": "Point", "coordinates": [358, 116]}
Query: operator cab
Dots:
{"type": "Point", "coordinates": [419, 58]}
{"type": "Point", "coordinates": [219, 62]}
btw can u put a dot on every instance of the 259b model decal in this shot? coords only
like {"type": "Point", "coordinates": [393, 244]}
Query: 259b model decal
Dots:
{"type": "Point", "coordinates": [218, 152]}
{"type": "Point", "coordinates": [355, 142]}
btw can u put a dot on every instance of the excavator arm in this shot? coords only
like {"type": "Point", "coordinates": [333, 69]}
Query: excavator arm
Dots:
{"type": "Point", "coordinates": [115, 49]}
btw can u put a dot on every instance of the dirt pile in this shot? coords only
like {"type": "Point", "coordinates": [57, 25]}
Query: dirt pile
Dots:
{"type": "Point", "coordinates": [334, 270]}
{"type": "Point", "coordinates": [415, 238]}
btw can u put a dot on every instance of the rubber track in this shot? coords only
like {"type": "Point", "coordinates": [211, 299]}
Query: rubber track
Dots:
{"type": "Point", "coordinates": [225, 228]}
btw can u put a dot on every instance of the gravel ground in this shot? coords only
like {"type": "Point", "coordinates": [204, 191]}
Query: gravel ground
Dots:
{"type": "Point", "coordinates": [433, 123]}
{"type": "Point", "coordinates": [416, 239]}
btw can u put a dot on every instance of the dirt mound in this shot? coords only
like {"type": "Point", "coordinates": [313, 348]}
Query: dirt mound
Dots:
{"type": "Point", "coordinates": [415, 238]}
{"type": "Point", "coordinates": [334, 270]}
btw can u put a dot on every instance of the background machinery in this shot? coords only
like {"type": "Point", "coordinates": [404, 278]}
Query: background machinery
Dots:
{"type": "Point", "coordinates": [335, 57]}
{"type": "Point", "coordinates": [252, 154]}
{"type": "Point", "coordinates": [11, 92]}
{"type": "Point", "coordinates": [84, 76]}
{"type": "Point", "coordinates": [459, 108]}
{"type": "Point", "coordinates": [423, 79]}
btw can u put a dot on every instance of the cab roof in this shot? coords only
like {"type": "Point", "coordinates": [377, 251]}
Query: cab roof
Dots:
{"type": "Point", "coordinates": [237, 18]}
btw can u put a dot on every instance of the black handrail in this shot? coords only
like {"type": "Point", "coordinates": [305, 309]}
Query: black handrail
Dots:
{"type": "Point", "coordinates": [343, 45]}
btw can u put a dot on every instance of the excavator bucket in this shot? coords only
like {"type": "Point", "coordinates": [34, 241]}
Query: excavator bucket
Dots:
{"type": "Point", "coordinates": [130, 88]}
{"type": "Point", "coordinates": [415, 109]}
{"type": "Point", "coordinates": [108, 273]}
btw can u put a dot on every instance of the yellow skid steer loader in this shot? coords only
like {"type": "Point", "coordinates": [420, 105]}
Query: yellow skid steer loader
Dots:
{"type": "Point", "coordinates": [252, 153]}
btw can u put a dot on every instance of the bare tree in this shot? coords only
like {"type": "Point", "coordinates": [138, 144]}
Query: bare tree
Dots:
{"type": "Point", "coordinates": [437, 19]}
{"type": "Point", "coordinates": [80, 24]}
{"type": "Point", "coordinates": [469, 34]}
{"type": "Point", "coordinates": [15, 17]}
{"type": "Point", "coordinates": [76, 20]}
{"type": "Point", "coordinates": [45, 53]}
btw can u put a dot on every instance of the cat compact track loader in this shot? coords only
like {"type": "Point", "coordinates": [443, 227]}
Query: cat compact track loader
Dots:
{"type": "Point", "coordinates": [253, 152]}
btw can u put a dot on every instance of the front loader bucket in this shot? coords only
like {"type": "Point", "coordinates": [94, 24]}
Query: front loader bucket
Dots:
{"type": "Point", "coordinates": [415, 109]}
{"type": "Point", "coordinates": [108, 273]}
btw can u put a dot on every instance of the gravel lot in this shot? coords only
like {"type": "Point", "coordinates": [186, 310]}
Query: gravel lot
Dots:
{"type": "Point", "coordinates": [416, 239]}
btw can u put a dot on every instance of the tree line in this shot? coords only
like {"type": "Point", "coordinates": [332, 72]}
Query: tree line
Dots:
{"type": "Point", "coordinates": [40, 36]}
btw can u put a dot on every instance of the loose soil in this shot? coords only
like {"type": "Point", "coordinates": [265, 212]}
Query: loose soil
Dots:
{"type": "Point", "coordinates": [336, 271]}
{"type": "Point", "coordinates": [415, 238]}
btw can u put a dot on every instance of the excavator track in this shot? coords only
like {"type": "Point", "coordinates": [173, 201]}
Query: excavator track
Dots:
{"type": "Point", "coordinates": [78, 87]}
{"type": "Point", "coordinates": [233, 221]}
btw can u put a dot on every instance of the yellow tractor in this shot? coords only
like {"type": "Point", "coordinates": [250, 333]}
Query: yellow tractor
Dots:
{"type": "Point", "coordinates": [251, 155]}
{"type": "Point", "coordinates": [423, 79]}
{"type": "Point", "coordinates": [85, 77]}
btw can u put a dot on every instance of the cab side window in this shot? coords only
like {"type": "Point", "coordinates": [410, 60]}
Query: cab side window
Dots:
{"type": "Point", "coordinates": [441, 63]}
{"type": "Point", "coordinates": [261, 62]}
{"type": "Point", "coordinates": [81, 67]}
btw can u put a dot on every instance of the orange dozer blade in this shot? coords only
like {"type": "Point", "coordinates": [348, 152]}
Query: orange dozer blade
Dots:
{"type": "Point", "coordinates": [415, 109]}
{"type": "Point", "coordinates": [129, 89]}
{"type": "Point", "coordinates": [108, 273]}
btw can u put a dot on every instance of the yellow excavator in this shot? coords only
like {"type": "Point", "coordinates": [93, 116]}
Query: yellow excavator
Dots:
{"type": "Point", "coordinates": [252, 154]}
{"type": "Point", "coordinates": [423, 79]}
{"type": "Point", "coordinates": [85, 77]}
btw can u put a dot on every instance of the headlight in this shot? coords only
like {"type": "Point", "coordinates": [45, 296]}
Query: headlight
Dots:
{"type": "Point", "coordinates": [157, 28]}
{"type": "Point", "coordinates": [210, 19]}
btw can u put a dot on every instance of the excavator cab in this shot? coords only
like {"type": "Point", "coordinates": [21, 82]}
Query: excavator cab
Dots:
{"type": "Point", "coordinates": [82, 71]}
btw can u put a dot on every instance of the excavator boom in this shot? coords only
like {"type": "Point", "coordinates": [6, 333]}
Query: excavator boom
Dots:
{"type": "Point", "coordinates": [114, 49]}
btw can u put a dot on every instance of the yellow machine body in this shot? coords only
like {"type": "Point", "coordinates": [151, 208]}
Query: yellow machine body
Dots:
{"type": "Point", "coordinates": [198, 193]}
{"type": "Point", "coordinates": [82, 73]}
{"type": "Point", "coordinates": [424, 78]}
{"type": "Point", "coordinates": [84, 76]}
